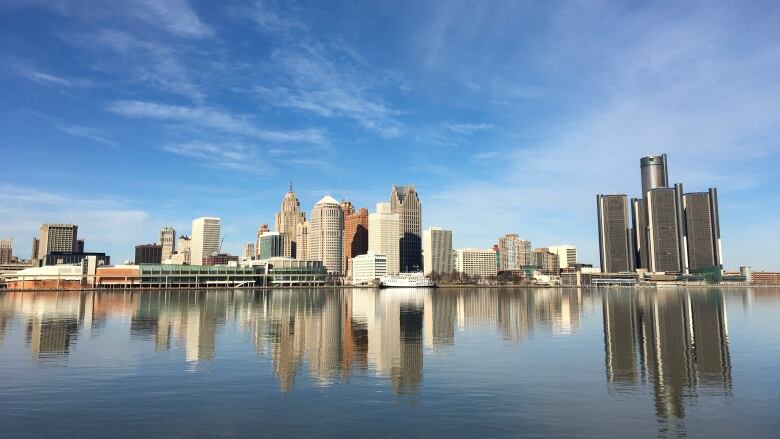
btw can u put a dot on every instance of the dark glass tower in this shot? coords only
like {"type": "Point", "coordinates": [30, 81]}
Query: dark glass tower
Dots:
{"type": "Point", "coordinates": [405, 202]}
{"type": "Point", "coordinates": [615, 237]}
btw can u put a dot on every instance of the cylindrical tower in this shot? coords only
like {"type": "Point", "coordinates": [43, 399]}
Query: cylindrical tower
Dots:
{"type": "Point", "coordinates": [654, 173]}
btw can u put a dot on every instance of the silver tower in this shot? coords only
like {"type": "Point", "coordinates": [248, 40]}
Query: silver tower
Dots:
{"type": "Point", "coordinates": [654, 174]}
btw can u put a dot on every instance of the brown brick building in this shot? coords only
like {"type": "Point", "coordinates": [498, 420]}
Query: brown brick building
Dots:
{"type": "Point", "coordinates": [355, 235]}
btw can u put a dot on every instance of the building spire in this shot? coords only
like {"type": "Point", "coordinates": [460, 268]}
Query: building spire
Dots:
{"type": "Point", "coordinates": [290, 189]}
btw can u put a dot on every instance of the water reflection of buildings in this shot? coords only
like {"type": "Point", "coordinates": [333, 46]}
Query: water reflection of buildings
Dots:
{"type": "Point", "coordinates": [677, 342]}
{"type": "Point", "coordinates": [330, 335]}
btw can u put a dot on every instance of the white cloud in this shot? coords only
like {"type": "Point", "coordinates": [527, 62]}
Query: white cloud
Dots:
{"type": "Point", "coordinates": [468, 128]}
{"type": "Point", "coordinates": [90, 133]}
{"type": "Point", "coordinates": [211, 118]}
{"type": "Point", "coordinates": [176, 16]}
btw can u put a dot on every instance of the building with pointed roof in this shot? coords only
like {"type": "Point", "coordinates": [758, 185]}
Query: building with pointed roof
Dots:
{"type": "Point", "coordinates": [287, 220]}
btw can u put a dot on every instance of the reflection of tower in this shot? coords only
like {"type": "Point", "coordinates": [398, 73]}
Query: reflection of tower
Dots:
{"type": "Point", "coordinates": [51, 336]}
{"type": "Point", "coordinates": [201, 335]}
{"type": "Point", "coordinates": [439, 319]}
{"type": "Point", "coordinates": [620, 333]}
{"type": "Point", "coordinates": [681, 339]}
{"type": "Point", "coordinates": [407, 376]}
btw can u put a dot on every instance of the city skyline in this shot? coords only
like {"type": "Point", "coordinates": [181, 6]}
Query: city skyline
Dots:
{"type": "Point", "coordinates": [125, 122]}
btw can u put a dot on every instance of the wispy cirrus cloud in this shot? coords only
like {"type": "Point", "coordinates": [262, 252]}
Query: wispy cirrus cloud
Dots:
{"type": "Point", "coordinates": [468, 128]}
{"type": "Point", "coordinates": [323, 76]}
{"type": "Point", "coordinates": [206, 117]}
{"type": "Point", "coordinates": [91, 133]}
{"type": "Point", "coordinates": [48, 79]}
{"type": "Point", "coordinates": [176, 16]}
{"type": "Point", "coordinates": [236, 156]}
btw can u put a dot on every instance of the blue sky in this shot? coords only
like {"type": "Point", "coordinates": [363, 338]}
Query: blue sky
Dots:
{"type": "Point", "coordinates": [125, 116]}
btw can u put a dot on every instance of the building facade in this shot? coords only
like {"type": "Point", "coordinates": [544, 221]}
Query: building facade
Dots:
{"type": "Point", "coordinates": [663, 231]}
{"type": "Point", "coordinates": [437, 251]}
{"type": "Point", "coordinates": [148, 254]}
{"type": "Point", "coordinates": [616, 254]}
{"type": "Point", "coordinates": [168, 242]}
{"type": "Point", "coordinates": [384, 236]}
{"type": "Point", "coordinates": [183, 253]}
{"type": "Point", "coordinates": [287, 220]}
{"type": "Point", "coordinates": [511, 252]}
{"type": "Point", "coordinates": [249, 250]}
{"type": "Point", "coordinates": [546, 261]}
{"type": "Point", "coordinates": [205, 239]}
{"type": "Point", "coordinates": [271, 245]}
{"type": "Point", "coordinates": [567, 255]}
{"type": "Point", "coordinates": [6, 251]}
{"type": "Point", "coordinates": [355, 234]}
{"type": "Point", "coordinates": [405, 202]}
{"type": "Point", "coordinates": [368, 267]}
{"type": "Point", "coordinates": [57, 238]}
{"type": "Point", "coordinates": [702, 230]}
{"type": "Point", "coordinates": [476, 262]}
{"type": "Point", "coordinates": [326, 234]}
{"type": "Point", "coordinates": [302, 241]}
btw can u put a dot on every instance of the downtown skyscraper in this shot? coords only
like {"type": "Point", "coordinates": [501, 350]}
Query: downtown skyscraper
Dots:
{"type": "Point", "coordinates": [205, 239]}
{"type": "Point", "coordinates": [405, 202]}
{"type": "Point", "coordinates": [287, 220]}
{"type": "Point", "coordinates": [672, 232]}
{"type": "Point", "coordinates": [326, 234]}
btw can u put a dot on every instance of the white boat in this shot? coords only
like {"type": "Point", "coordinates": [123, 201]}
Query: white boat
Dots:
{"type": "Point", "coordinates": [406, 280]}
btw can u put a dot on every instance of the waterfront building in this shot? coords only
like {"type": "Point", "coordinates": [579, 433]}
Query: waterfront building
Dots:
{"type": "Point", "coordinates": [405, 202]}
{"type": "Point", "coordinates": [57, 238]}
{"type": "Point", "coordinates": [567, 255]}
{"type": "Point", "coordinates": [368, 267]}
{"type": "Point", "coordinates": [476, 262]}
{"type": "Point", "coordinates": [616, 254]}
{"type": "Point", "coordinates": [219, 259]}
{"type": "Point", "coordinates": [148, 254]}
{"type": "Point", "coordinates": [184, 252]}
{"type": "Point", "coordinates": [6, 251]}
{"type": "Point", "coordinates": [437, 251]}
{"type": "Point", "coordinates": [271, 245]}
{"type": "Point", "coordinates": [702, 230]}
{"type": "Point", "coordinates": [384, 236]}
{"type": "Point", "coordinates": [355, 233]}
{"type": "Point", "coordinates": [663, 231]}
{"type": "Point", "coordinates": [326, 234]}
{"type": "Point", "coordinates": [67, 258]}
{"type": "Point", "coordinates": [546, 261]}
{"type": "Point", "coordinates": [168, 242]}
{"type": "Point", "coordinates": [511, 252]}
{"type": "Point", "coordinates": [205, 239]}
{"type": "Point", "coordinates": [302, 241]}
{"type": "Point", "coordinates": [287, 220]}
{"type": "Point", "coordinates": [249, 250]}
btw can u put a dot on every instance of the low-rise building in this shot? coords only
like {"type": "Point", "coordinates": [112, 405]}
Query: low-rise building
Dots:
{"type": "Point", "coordinates": [368, 268]}
{"type": "Point", "coordinates": [476, 262]}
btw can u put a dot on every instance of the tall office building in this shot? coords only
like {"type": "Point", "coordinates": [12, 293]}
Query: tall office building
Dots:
{"type": "Point", "coordinates": [384, 231]}
{"type": "Point", "coordinates": [355, 234]}
{"type": "Point", "coordinates": [702, 230]}
{"type": "Point", "coordinates": [615, 250]}
{"type": "Point", "coordinates": [36, 243]}
{"type": "Point", "coordinates": [437, 251]}
{"type": "Point", "coordinates": [510, 252]}
{"type": "Point", "coordinates": [185, 249]}
{"type": "Point", "coordinates": [271, 245]}
{"type": "Point", "coordinates": [205, 239]}
{"type": "Point", "coordinates": [249, 250]}
{"type": "Point", "coordinates": [526, 253]}
{"type": "Point", "coordinates": [663, 231]}
{"type": "Point", "coordinates": [61, 238]}
{"type": "Point", "coordinates": [475, 262]}
{"type": "Point", "coordinates": [567, 255]}
{"type": "Point", "coordinates": [546, 261]}
{"type": "Point", "coordinates": [326, 236]}
{"type": "Point", "coordinates": [302, 241]}
{"type": "Point", "coordinates": [405, 202]}
{"type": "Point", "coordinates": [654, 173]}
{"type": "Point", "coordinates": [6, 250]}
{"type": "Point", "coordinates": [168, 242]}
{"type": "Point", "coordinates": [148, 254]}
{"type": "Point", "coordinates": [287, 220]}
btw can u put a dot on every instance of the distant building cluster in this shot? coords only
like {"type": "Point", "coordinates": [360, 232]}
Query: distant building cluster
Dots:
{"type": "Point", "coordinates": [669, 236]}
{"type": "Point", "coordinates": [669, 231]}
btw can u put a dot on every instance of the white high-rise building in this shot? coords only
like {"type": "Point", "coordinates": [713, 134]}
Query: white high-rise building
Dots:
{"type": "Point", "coordinates": [437, 251]}
{"type": "Point", "coordinates": [367, 267]}
{"type": "Point", "coordinates": [384, 235]}
{"type": "Point", "coordinates": [476, 262]}
{"type": "Point", "coordinates": [326, 234]}
{"type": "Point", "coordinates": [168, 242]}
{"type": "Point", "coordinates": [205, 239]}
{"type": "Point", "coordinates": [567, 255]}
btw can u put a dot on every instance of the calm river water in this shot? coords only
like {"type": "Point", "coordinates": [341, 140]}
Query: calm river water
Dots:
{"type": "Point", "coordinates": [701, 362]}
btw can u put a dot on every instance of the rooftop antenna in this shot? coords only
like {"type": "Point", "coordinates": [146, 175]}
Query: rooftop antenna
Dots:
{"type": "Point", "coordinates": [290, 189]}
